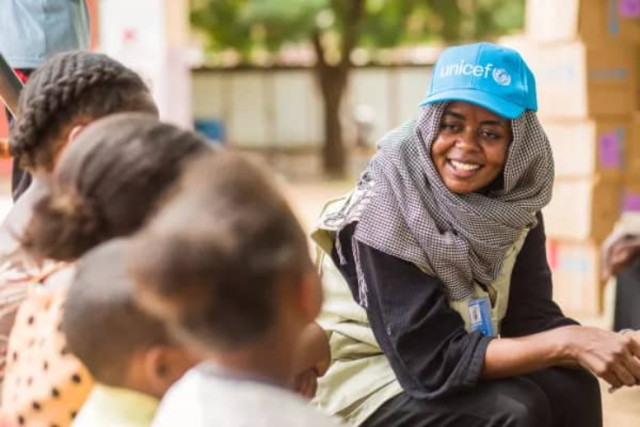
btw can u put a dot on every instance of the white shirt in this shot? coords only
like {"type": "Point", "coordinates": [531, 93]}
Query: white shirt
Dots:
{"type": "Point", "coordinates": [205, 397]}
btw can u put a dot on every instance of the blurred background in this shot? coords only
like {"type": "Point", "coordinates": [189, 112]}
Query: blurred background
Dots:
{"type": "Point", "coordinates": [311, 85]}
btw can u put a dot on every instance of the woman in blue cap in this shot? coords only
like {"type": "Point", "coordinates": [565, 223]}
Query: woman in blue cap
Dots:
{"type": "Point", "coordinates": [442, 247]}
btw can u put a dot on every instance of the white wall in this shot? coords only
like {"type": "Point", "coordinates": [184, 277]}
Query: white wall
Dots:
{"type": "Point", "coordinates": [283, 108]}
{"type": "Point", "coordinates": [372, 87]}
{"type": "Point", "coordinates": [296, 109]}
{"type": "Point", "coordinates": [150, 36]}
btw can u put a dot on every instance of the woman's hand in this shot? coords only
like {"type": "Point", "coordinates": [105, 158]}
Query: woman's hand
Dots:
{"type": "Point", "coordinates": [619, 254]}
{"type": "Point", "coordinates": [612, 356]}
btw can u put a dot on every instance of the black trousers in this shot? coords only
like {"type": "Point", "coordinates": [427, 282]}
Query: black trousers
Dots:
{"type": "Point", "coordinates": [627, 307]}
{"type": "Point", "coordinates": [555, 397]}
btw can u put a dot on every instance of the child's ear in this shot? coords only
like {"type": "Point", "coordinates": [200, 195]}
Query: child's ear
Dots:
{"type": "Point", "coordinates": [311, 296]}
{"type": "Point", "coordinates": [164, 365]}
{"type": "Point", "coordinates": [71, 136]}
{"type": "Point", "coordinates": [74, 132]}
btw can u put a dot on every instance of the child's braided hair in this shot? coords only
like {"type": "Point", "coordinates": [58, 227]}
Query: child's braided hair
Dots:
{"type": "Point", "coordinates": [69, 89]}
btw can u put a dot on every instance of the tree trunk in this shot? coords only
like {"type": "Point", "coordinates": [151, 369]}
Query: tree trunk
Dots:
{"type": "Point", "coordinates": [332, 86]}
{"type": "Point", "coordinates": [333, 82]}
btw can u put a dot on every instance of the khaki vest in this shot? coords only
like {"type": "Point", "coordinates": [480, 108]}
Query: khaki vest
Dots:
{"type": "Point", "coordinates": [360, 378]}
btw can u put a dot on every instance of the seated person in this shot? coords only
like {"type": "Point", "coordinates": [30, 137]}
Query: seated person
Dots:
{"type": "Point", "coordinates": [439, 296]}
{"type": "Point", "coordinates": [64, 94]}
{"type": "Point", "coordinates": [127, 352]}
{"type": "Point", "coordinates": [621, 259]}
{"type": "Point", "coordinates": [226, 264]}
{"type": "Point", "coordinates": [106, 185]}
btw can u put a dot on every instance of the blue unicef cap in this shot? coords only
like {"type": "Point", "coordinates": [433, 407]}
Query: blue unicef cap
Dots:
{"type": "Point", "coordinates": [491, 76]}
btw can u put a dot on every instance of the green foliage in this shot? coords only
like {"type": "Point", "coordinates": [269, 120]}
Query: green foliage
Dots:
{"type": "Point", "coordinates": [497, 17]}
{"type": "Point", "coordinates": [246, 25]}
{"type": "Point", "coordinates": [387, 23]}
{"type": "Point", "coordinates": [220, 20]}
{"type": "Point", "coordinates": [279, 22]}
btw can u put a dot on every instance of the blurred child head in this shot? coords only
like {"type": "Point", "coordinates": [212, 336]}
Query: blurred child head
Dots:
{"type": "Point", "coordinates": [66, 93]}
{"type": "Point", "coordinates": [120, 345]}
{"type": "Point", "coordinates": [107, 183]}
{"type": "Point", "coordinates": [226, 263]}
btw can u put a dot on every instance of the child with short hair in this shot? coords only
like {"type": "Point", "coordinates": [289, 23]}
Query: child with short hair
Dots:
{"type": "Point", "coordinates": [127, 352]}
{"type": "Point", "coordinates": [106, 184]}
{"type": "Point", "coordinates": [226, 265]}
{"type": "Point", "coordinates": [63, 95]}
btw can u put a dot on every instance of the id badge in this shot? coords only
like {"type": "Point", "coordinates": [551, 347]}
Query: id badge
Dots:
{"type": "Point", "coordinates": [480, 316]}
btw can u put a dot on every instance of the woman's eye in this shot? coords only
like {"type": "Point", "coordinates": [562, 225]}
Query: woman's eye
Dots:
{"type": "Point", "coordinates": [491, 135]}
{"type": "Point", "coordinates": [450, 126]}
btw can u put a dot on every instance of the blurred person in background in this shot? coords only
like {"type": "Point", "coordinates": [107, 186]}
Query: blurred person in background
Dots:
{"type": "Point", "coordinates": [364, 117]}
{"type": "Point", "coordinates": [621, 260]}
{"type": "Point", "coordinates": [31, 32]}
{"type": "Point", "coordinates": [442, 247]}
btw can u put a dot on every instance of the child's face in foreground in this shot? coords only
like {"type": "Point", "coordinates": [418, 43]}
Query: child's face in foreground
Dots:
{"type": "Point", "coordinates": [470, 150]}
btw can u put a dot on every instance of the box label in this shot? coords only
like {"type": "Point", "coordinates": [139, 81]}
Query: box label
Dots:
{"type": "Point", "coordinates": [609, 150]}
{"type": "Point", "coordinates": [629, 8]}
{"type": "Point", "coordinates": [608, 74]}
{"type": "Point", "coordinates": [631, 202]}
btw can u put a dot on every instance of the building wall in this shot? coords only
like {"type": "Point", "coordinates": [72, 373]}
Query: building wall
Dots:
{"type": "Point", "coordinates": [282, 108]}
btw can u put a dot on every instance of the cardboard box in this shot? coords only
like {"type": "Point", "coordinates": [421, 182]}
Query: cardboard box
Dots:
{"type": "Point", "coordinates": [631, 193]}
{"type": "Point", "coordinates": [576, 271]}
{"type": "Point", "coordinates": [583, 209]}
{"type": "Point", "coordinates": [638, 85]}
{"type": "Point", "coordinates": [632, 160]}
{"type": "Point", "coordinates": [583, 148]}
{"type": "Point", "coordinates": [578, 81]}
{"type": "Point", "coordinates": [587, 20]}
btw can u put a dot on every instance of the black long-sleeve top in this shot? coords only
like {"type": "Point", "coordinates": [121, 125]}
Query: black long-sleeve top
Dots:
{"type": "Point", "coordinates": [423, 338]}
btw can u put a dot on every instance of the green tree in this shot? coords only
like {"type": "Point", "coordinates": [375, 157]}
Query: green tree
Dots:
{"type": "Point", "coordinates": [334, 28]}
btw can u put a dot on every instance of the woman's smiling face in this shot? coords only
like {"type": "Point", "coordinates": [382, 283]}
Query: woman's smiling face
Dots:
{"type": "Point", "coordinates": [470, 150]}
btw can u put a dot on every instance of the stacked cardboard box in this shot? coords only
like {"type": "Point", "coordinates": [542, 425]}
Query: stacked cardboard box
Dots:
{"type": "Point", "coordinates": [584, 54]}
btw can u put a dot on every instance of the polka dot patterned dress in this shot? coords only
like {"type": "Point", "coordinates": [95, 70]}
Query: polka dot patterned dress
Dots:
{"type": "Point", "coordinates": [44, 385]}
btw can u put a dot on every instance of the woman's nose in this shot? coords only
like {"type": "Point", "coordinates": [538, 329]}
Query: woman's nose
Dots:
{"type": "Point", "coordinates": [468, 140]}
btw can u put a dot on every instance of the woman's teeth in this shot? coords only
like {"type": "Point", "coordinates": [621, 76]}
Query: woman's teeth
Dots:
{"type": "Point", "coordinates": [464, 166]}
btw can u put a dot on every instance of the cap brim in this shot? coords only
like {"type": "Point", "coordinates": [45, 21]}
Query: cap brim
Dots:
{"type": "Point", "coordinates": [486, 100]}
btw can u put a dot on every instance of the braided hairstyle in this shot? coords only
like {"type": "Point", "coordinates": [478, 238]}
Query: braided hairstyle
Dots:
{"type": "Point", "coordinates": [70, 89]}
{"type": "Point", "coordinates": [107, 183]}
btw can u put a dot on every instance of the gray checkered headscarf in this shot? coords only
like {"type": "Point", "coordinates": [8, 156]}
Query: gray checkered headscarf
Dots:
{"type": "Point", "coordinates": [404, 209]}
